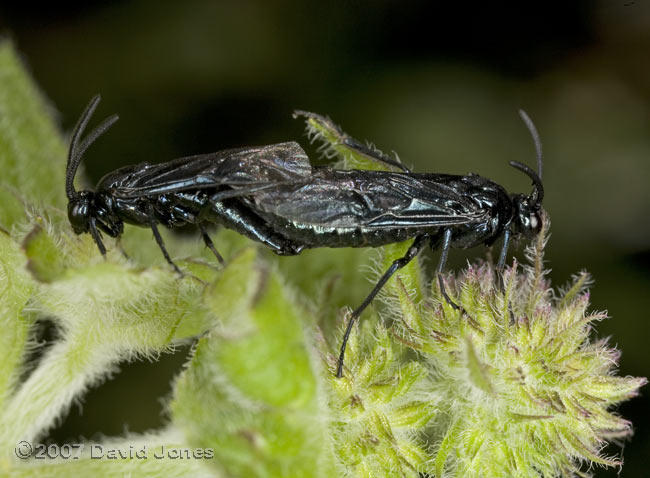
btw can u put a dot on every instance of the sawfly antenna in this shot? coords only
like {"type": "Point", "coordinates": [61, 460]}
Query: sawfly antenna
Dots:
{"type": "Point", "coordinates": [79, 147]}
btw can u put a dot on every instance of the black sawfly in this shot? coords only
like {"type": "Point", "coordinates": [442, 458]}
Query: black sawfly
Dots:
{"type": "Point", "coordinates": [273, 195]}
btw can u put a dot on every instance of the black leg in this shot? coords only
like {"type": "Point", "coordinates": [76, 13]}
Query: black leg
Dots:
{"type": "Point", "coordinates": [209, 244]}
{"type": "Point", "coordinates": [504, 250]}
{"type": "Point", "coordinates": [446, 244]}
{"type": "Point", "coordinates": [97, 237]}
{"type": "Point", "coordinates": [234, 215]}
{"type": "Point", "coordinates": [413, 251]}
{"type": "Point", "coordinates": [501, 282]}
{"type": "Point", "coordinates": [118, 242]}
{"type": "Point", "coordinates": [159, 239]}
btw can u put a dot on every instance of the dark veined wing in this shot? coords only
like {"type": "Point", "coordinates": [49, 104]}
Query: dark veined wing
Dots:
{"type": "Point", "coordinates": [371, 200]}
{"type": "Point", "coordinates": [249, 168]}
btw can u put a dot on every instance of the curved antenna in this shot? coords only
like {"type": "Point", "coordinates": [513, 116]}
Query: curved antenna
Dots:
{"type": "Point", "coordinates": [71, 167]}
{"type": "Point", "coordinates": [538, 143]}
{"type": "Point", "coordinates": [77, 149]}
{"type": "Point", "coordinates": [537, 195]}
{"type": "Point", "coordinates": [93, 135]}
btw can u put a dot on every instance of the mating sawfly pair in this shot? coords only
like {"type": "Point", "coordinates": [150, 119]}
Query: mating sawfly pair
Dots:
{"type": "Point", "coordinates": [273, 195]}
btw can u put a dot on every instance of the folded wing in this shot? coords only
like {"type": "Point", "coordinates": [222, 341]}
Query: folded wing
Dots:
{"type": "Point", "coordinates": [370, 200]}
{"type": "Point", "coordinates": [235, 168]}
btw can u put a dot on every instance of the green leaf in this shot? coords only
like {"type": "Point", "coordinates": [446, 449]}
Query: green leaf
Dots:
{"type": "Point", "coordinates": [251, 391]}
{"type": "Point", "coordinates": [15, 289]}
{"type": "Point", "coordinates": [32, 153]}
{"type": "Point", "coordinates": [44, 254]}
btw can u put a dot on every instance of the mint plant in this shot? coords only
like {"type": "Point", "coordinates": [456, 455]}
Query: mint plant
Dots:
{"type": "Point", "coordinates": [509, 385]}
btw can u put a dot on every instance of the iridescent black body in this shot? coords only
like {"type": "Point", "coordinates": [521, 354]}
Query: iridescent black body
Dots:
{"type": "Point", "coordinates": [273, 195]}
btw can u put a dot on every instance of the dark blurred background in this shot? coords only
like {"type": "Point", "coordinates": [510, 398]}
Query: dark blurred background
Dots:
{"type": "Point", "coordinates": [438, 82]}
